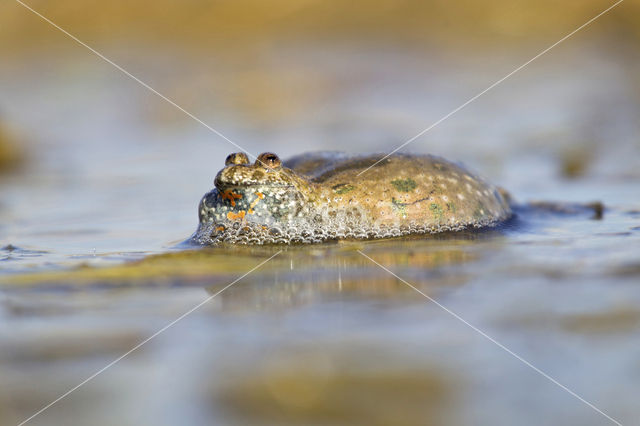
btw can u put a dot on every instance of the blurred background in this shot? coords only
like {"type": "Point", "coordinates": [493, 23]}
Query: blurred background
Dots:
{"type": "Point", "coordinates": [96, 170]}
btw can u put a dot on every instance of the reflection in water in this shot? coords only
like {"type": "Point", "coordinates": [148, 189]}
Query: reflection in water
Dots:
{"type": "Point", "coordinates": [328, 273]}
{"type": "Point", "coordinates": [332, 385]}
{"type": "Point", "coordinates": [424, 256]}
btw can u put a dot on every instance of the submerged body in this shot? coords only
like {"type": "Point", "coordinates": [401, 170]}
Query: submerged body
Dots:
{"type": "Point", "coordinates": [322, 196]}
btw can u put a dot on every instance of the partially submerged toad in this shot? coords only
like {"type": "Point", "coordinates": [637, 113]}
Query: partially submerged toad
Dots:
{"type": "Point", "coordinates": [320, 196]}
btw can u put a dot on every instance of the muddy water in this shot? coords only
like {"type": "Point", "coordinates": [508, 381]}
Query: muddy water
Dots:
{"type": "Point", "coordinates": [92, 262]}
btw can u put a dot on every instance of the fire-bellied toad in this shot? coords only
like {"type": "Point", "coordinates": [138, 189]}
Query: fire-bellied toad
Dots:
{"type": "Point", "coordinates": [321, 196]}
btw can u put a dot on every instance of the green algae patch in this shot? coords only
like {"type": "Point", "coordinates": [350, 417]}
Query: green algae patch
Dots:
{"type": "Point", "coordinates": [343, 188]}
{"type": "Point", "coordinates": [437, 211]}
{"type": "Point", "coordinates": [404, 185]}
{"type": "Point", "coordinates": [399, 207]}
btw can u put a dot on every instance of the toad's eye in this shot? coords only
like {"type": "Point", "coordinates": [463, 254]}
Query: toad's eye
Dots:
{"type": "Point", "coordinates": [236, 158]}
{"type": "Point", "coordinates": [269, 160]}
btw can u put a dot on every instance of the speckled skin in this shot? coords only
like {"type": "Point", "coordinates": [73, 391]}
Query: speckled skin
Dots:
{"type": "Point", "coordinates": [319, 196]}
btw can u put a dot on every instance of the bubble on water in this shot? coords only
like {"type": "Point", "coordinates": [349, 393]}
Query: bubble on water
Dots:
{"type": "Point", "coordinates": [290, 218]}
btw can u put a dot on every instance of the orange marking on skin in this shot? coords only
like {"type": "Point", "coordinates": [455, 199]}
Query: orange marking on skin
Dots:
{"type": "Point", "coordinates": [236, 216]}
{"type": "Point", "coordinates": [231, 196]}
{"type": "Point", "coordinates": [255, 202]}
{"type": "Point", "coordinates": [220, 228]}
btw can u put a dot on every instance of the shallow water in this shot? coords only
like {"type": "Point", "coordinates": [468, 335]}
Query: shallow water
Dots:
{"type": "Point", "coordinates": [92, 262]}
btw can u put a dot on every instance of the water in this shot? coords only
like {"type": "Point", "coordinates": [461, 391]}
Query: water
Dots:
{"type": "Point", "coordinates": [93, 264]}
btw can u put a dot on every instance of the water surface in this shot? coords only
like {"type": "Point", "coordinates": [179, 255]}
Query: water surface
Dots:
{"type": "Point", "coordinates": [92, 262]}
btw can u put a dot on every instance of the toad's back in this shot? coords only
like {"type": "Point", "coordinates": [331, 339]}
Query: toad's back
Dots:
{"type": "Point", "coordinates": [420, 191]}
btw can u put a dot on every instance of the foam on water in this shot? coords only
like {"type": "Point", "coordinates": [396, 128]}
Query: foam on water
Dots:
{"type": "Point", "coordinates": [321, 228]}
